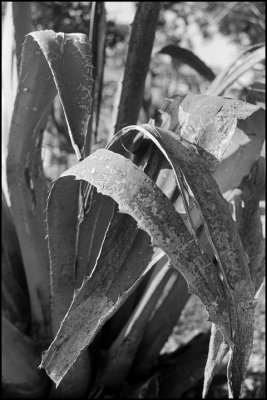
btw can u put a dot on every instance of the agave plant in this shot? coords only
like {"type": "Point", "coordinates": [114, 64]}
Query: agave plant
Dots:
{"type": "Point", "coordinates": [98, 266]}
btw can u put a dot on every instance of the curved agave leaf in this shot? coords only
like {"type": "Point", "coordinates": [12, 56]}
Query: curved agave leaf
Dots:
{"type": "Point", "coordinates": [116, 176]}
{"type": "Point", "coordinates": [230, 133]}
{"type": "Point", "coordinates": [237, 151]}
{"type": "Point", "coordinates": [250, 230]}
{"type": "Point", "coordinates": [50, 61]}
{"type": "Point", "coordinates": [212, 272]}
{"type": "Point", "coordinates": [66, 54]}
{"type": "Point", "coordinates": [187, 57]}
{"type": "Point", "coordinates": [225, 241]}
{"type": "Point", "coordinates": [244, 62]}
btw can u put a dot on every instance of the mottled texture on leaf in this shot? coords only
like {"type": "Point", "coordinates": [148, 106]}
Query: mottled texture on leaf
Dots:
{"type": "Point", "coordinates": [26, 180]}
{"type": "Point", "coordinates": [69, 58]}
{"type": "Point", "coordinates": [136, 194]}
{"type": "Point", "coordinates": [211, 122]}
{"type": "Point", "coordinates": [223, 237]}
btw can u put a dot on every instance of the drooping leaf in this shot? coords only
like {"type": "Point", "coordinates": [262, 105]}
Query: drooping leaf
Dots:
{"type": "Point", "coordinates": [212, 272]}
{"type": "Point", "coordinates": [185, 56]}
{"type": "Point", "coordinates": [229, 132]}
{"type": "Point", "coordinates": [225, 241]}
{"type": "Point", "coordinates": [138, 196]}
{"type": "Point", "coordinates": [69, 58]}
{"type": "Point", "coordinates": [250, 230]}
{"type": "Point", "coordinates": [62, 219]}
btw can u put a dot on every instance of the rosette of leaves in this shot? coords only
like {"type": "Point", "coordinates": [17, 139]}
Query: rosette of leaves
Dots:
{"type": "Point", "coordinates": [132, 230]}
{"type": "Point", "coordinates": [194, 136]}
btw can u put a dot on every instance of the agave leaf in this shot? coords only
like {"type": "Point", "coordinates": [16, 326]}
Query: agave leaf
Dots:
{"type": "Point", "coordinates": [94, 221]}
{"type": "Point", "coordinates": [62, 219]}
{"type": "Point", "coordinates": [15, 305]}
{"type": "Point", "coordinates": [159, 327]}
{"type": "Point", "coordinates": [183, 368]}
{"type": "Point", "coordinates": [116, 323]}
{"type": "Point", "coordinates": [122, 352]}
{"type": "Point", "coordinates": [210, 122]}
{"type": "Point", "coordinates": [226, 244]}
{"type": "Point", "coordinates": [62, 231]}
{"type": "Point", "coordinates": [230, 133]}
{"type": "Point", "coordinates": [20, 358]}
{"type": "Point", "coordinates": [50, 61]}
{"type": "Point", "coordinates": [250, 230]}
{"type": "Point", "coordinates": [139, 197]}
{"type": "Point", "coordinates": [136, 68]}
{"type": "Point", "coordinates": [218, 349]}
{"type": "Point", "coordinates": [97, 38]}
{"type": "Point", "coordinates": [186, 56]}
{"type": "Point", "coordinates": [26, 181]}
{"type": "Point", "coordinates": [225, 241]}
{"type": "Point", "coordinates": [22, 25]}
{"type": "Point", "coordinates": [10, 246]}
{"type": "Point", "coordinates": [244, 62]}
{"type": "Point", "coordinates": [16, 24]}
{"type": "Point", "coordinates": [69, 58]}
{"type": "Point", "coordinates": [97, 211]}
{"type": "Point", "coordinates": [250, 226]}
